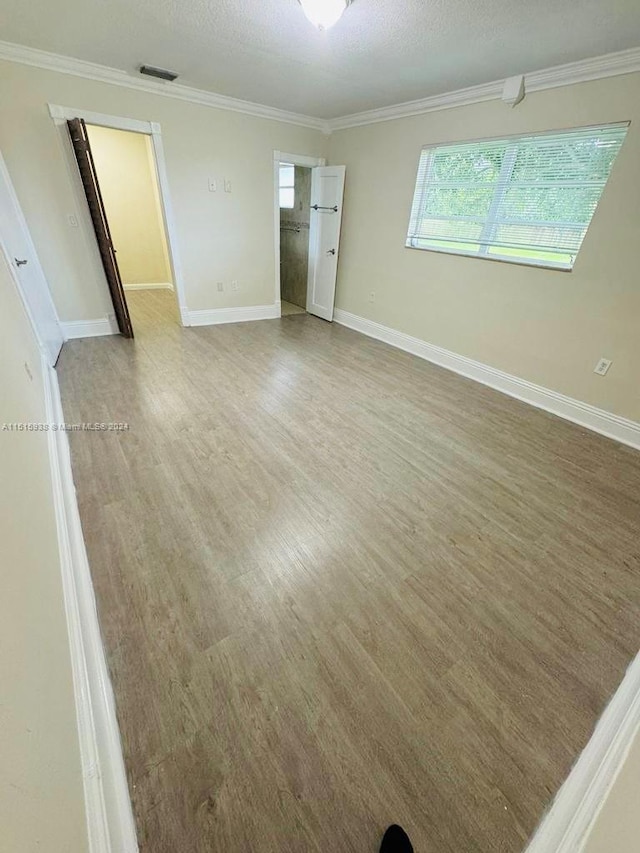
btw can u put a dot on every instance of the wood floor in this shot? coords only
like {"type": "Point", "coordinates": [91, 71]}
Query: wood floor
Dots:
{"type": "Point", "coordinates": [340, 587]}
{"type": "Point", "coordinates": [288, 308]}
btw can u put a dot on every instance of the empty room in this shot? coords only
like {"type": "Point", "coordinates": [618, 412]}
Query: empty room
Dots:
{"type": "Point", "coordinates": [320, 445]}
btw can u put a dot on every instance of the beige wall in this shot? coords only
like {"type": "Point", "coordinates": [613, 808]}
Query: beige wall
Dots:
{"type": "Point", "coordinates": [124, 162]}
{"type": "Point", "coordinates": [221, 236]}
{"type": "Point", "coordinates": [617, 827]}
{"type": "Point", "coordinates": [545, 326]}
{"type": "Point", "coordinates": [41, 796]}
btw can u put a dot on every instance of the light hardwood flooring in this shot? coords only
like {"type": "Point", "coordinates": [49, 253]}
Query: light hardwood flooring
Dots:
{"type": "Point", "coordinates": [152, 310]}
{"type": "Point", "coordinates": [341, 587]}
{"type": "Point", "coordinates": [288, 309]}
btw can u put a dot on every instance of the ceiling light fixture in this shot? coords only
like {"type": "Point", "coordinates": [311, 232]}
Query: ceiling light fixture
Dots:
{"type": "Point", "coordinates": [324, 13]}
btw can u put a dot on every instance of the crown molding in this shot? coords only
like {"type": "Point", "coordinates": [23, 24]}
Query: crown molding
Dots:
{"type": "Point", "coordinates": [103, 74]}
{"type": "Point", "coordinates": [596, 68]}
{"type": "Point", "coordinates": [448, 100]}
{"type": "Point", "coordinates": [610, 65]}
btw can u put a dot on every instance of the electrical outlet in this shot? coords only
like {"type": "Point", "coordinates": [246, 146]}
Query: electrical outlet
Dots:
{"type": "Point", "coordinates": [235, 285]}
{"type": "Point", "coordinates": [73, 220]}
{"type": "Point", "coordinates": [602, 366]}
{"type": "Point", "coordinates": [213, 185]}
{"type": "Point", "coordinates": [220, 287]}
{"type": "Point", "coordinates": [227, 186]}
{"type": "Point", "coordinates": [372, 296]}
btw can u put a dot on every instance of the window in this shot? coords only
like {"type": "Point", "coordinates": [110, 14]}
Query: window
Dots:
{"type": "Point", "coordinates": [287, 184]}
{"type": "Point", "coordinates": [527, 199]}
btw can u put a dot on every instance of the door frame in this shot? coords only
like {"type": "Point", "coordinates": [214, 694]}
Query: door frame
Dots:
{"type": "Point", "coordinates": [5, 178]}
{"type": "Point", "coordinates": [297, 160]}
{"type": "Point", "coordinates": [61, 115]}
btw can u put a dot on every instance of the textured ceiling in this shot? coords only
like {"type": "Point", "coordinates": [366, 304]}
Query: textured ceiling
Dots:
{"type": "Point", "coordinates": [381, 52]}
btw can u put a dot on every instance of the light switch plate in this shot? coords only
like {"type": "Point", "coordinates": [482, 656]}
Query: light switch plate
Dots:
{"type": "Point", "coordinates": [602, 366]}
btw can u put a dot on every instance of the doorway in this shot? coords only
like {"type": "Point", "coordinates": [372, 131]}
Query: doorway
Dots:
{"type": "Point", "coordinates": [308, 200]}
{"type": "Point", "coordinates": [22, 259]}
{"type": "Point", "coordinates": [74, 126]}
{"type": "Point", "coordinates": [295, 218]}
{"type": "Point", "coordinates": [126, 173]}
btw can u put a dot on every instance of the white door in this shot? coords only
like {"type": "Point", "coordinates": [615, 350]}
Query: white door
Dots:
{"type": "Point", "coordinates": [16, 243]}
{"type": "Point", "coordinates": [327, 191]}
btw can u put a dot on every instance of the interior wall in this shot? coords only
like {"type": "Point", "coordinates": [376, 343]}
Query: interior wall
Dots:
{"type": "Point", "coordinates": [41, 792]}
{"type": "Point", "coordinates": [221, 236]}
{"type": "Point", "coordinates": [294, 244]}
{"type": "Point", "coordinates": [128, 185]}
{"type": "Point", "coordinates": [546, 326]}
{"type": "Point", "coordinates": [616, 829]}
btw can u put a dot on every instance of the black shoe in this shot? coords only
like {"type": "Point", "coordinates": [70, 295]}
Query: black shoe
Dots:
{"type": "Point", "coordinates": [396, 840]}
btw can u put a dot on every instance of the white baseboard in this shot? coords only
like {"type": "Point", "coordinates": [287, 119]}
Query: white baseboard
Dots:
{"type": "Point", "coordinates": [158, 285]}
{"type": "Point", "coordinates": [598, 420]}
{"type": "Point", "coordinates": [109, 815]}
{"type": "Point", "coordinates": [566, 826]}
{"type": "Point", "coordinates": [89, 328]}
{"type": "Point", "coordinates": [208, 317]}
{"type": "Point", "coordinates": [215, 316]}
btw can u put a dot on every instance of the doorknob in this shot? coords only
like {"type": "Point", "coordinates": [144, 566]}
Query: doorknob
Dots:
{"type": "Point", "coordinates": [20, 263]}
{"type": "Point", "coordinates": [331, 251]}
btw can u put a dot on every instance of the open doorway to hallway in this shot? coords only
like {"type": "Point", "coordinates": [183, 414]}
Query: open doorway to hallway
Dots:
{"type": "Point", "coordinates": [126, 172]}
{"type": "Point", "coordinates": [295, 217]}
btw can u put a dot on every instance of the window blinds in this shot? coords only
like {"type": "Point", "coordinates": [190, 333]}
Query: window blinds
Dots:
{"type": "Point", "coordinates": [527, 199]}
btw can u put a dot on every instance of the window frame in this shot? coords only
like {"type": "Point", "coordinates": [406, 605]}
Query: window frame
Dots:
{"type": "Point", "coordinates": [491, 223]}
{"type": "Point", "coordinates": [287, 186]}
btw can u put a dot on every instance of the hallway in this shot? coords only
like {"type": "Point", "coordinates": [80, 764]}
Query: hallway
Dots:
{"type": "Point", "coordinates": [153, 311]}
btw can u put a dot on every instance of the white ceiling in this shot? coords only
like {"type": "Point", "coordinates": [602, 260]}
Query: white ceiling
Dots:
{"type": "Point", "coordinates": [381, 52]}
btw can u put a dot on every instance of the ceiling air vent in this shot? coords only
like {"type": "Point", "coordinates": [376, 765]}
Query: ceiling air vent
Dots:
{"type": "Point", "coordinates": [160, 73]}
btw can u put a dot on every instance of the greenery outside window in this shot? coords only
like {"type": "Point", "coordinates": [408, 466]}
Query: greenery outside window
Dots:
{"type": "Point", "coordinates": [527, 199]}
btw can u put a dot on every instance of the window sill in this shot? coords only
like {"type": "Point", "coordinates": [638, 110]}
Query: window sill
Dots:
{"type": "Point", "coordinates": [495, 258]}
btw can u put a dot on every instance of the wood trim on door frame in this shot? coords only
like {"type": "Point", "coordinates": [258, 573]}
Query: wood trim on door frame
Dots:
{"type": "Point", "coordinates": [61, 115]}
{"type": "Point", "coordinates": [297, 160]}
